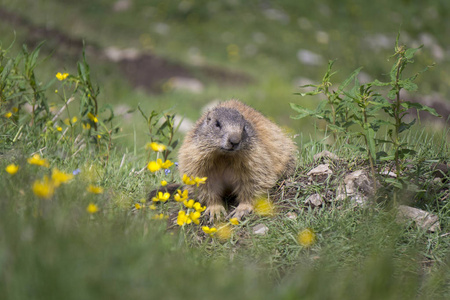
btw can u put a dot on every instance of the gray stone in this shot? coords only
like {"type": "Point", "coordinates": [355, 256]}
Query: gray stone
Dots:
{"type": "Point", "coordinates": [423, 219]}
{"type": "Point", "coordinates": [260, 229]}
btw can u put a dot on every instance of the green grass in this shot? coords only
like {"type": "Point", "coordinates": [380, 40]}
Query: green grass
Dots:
{"type": "Point", "coordinates": [53, 248]}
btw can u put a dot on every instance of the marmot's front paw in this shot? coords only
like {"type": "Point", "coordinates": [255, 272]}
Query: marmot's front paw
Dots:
{"type": "Point", "coordinates": [215, 212]}
{"type": "Point", "coordinates": [241, 210]}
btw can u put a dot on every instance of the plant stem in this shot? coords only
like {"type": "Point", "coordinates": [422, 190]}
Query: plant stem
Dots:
{"type": "Point", "coordinates": [397, 118]}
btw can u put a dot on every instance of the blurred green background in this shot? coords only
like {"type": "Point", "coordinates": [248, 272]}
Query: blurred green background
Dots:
{"type": "Point", "coordinates": [185, 54]}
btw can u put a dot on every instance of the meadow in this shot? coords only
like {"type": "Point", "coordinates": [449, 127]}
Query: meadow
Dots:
{"type": "Point", "coordinates": [85, 136]}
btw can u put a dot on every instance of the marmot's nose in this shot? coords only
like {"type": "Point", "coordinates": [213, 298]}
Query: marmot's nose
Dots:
{"type": "Point", "coordinates": [234, 140]}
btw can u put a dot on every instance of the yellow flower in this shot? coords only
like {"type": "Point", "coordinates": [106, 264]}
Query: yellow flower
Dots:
{"type": "Point", "coordinates": [12, 169]}
{"type": "Point", "coordinates": [99, 136]}
{"type": "Point", "coordinates": [224, 231]}
{"type": "Point", "coordinates": [92, 208]}
{"type": "Point", "coordinates": [209, 231]}
{"type": "Point", "coordinates": [163, 183]}
{"type": "Point", "coordinates": [189, 204]}
{"type": "Point", "coordinates": [181, 196]}
{"type": "Point", "coordinates": [138, 206]}
{"type": "Point", "coordinates": [160, 217]}
{"type": "Point", "coordinates": [95, 189]}
{"type": "Point", "coordinates": [152, 207]}
{"type": "Point", "coordinates": [70, 122]}
{"type": "Point", "coordinates": [43, 188]}
{"type": "Point", "coordinates": [157, 147]}
{"type": "Point", "coordinates": [306, 237]}
{"type": "Point", "coordinates": [8, 114]}
{"type": "Point", "coordinates": [59, 128]}
{"type": "Point", "coordinates": [61, 77]}
{"type": "Point", "coordinates": [56, 91]}
{"type": "Point", "coordinates": [188, 180]}
{"type": "Point", "coordinates": [164, 165]}
{"type": "Point", "coordinates": [37, 160]}
{"type": "Point", "coordinates": [199, 181]}
{"type": "Point", "coordinates": [182, 218]}
{"type": "Point", "coordinates": [86, 126]}
{"type": "Point", "coordinates": [198, 207]}
{"type": "Point", "coordinates": [234, 221]}
{"type": "Point", "coordinates": [194, 216]}
{"type": "Point", "coordinates": [59, 177]}
{"type": "Point", "coordinates": [264, 207]}
{"type": "Point", "coordinates": [92, 117]}
{"type": "Point", "coordinates": [153, 166]}
{"type": "Point", "coordinates": [163, 197]}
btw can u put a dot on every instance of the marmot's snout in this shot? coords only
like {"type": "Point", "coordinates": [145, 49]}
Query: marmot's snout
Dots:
{"type": "Point", "coordinates": [232, 141]}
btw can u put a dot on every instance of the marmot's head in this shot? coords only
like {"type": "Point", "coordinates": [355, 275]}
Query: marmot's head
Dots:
{"type": "Point", "coordinates": [225, 130]}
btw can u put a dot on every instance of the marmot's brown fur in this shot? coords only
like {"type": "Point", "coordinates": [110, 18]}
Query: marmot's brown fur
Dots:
{"type": "Point", "coordinates": [242, 153]}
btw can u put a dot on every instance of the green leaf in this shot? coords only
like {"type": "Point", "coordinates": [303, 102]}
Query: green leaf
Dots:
{"type": "Point", "coordinates": [313, 93]}
{"type": "Point", "coordinates": [392, 93]}
{"type": "Point", "coordinates": [110, 108]}
{"type": "Point", "coordinates": [409, 53]}
{"type": "Point", "coordinates": [420, 107]}
{"type": "Point", "coordinates": [303, 112]}
{"type": "Point", "coordinates": [6, 71]}
{"type": "Point", "coordinates": [142, 113]}
{"type": "Point", "coordinates": [405, 126]}
{"type": "Point", "coordinates": [370, 138]}
{"type": "Point", "coordinates": [376, 82]}
{"type": "Point", "coordinates": [349, 79]}
{"type": "Point", "coordinates": [394, 182]}
{"type": "Point", "coordinates": [381, 155]}
{"type": "Point", "coordinates": [406, 152]}
{"type": "Point", "coordinates": [336, 128]}
{"type": "Point", "coordinates": [393, 73]}
{"type": "Point", "coordinates": [408, 85]}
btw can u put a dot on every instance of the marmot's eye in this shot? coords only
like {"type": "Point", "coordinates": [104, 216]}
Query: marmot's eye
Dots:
{"type": "Point", "coordinates": [218, 124]}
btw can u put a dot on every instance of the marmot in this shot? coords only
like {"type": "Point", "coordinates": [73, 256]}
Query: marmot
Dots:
{"type": "Point", "coordinates": [242, 153]}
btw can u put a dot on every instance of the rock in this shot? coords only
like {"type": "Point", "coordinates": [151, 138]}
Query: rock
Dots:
{"type": "Point", "coordinates": [314, 200]}
{"type": "Point", "coordinates": [322, 37]}
{"type": "Point", "coordinates": [260, 229]}
{"type": "Point", "coordinates": [186, 84]}
{"type": "Point", "coordinates": [116, 55]}
{"type": "Point", "coordinates": [121, 5]}
{"type": "Point", "coordinates": [309, 58]}
{"type": "Point", "coordinates": [277, 15]}
{"type": "Point", "coordinates": [291, 215]}
{"type": "Point", "coordinates": [357, 186]}
{"type": "Point", "coordinates": [441, 171]}
{"type": "Point", "coordinates": [326, 154]}
{"type": "Point", "coordinates": [423, 219]}
{"type": "Point", "coordinates": [320, 170]}
{"type": "Point", "coordinates": [388, 173]}
{"type": "Point", "coordinates": [320, 173]}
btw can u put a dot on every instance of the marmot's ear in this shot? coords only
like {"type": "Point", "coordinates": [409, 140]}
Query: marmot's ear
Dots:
{"type": "Point", "coordinates": [208, 118]}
